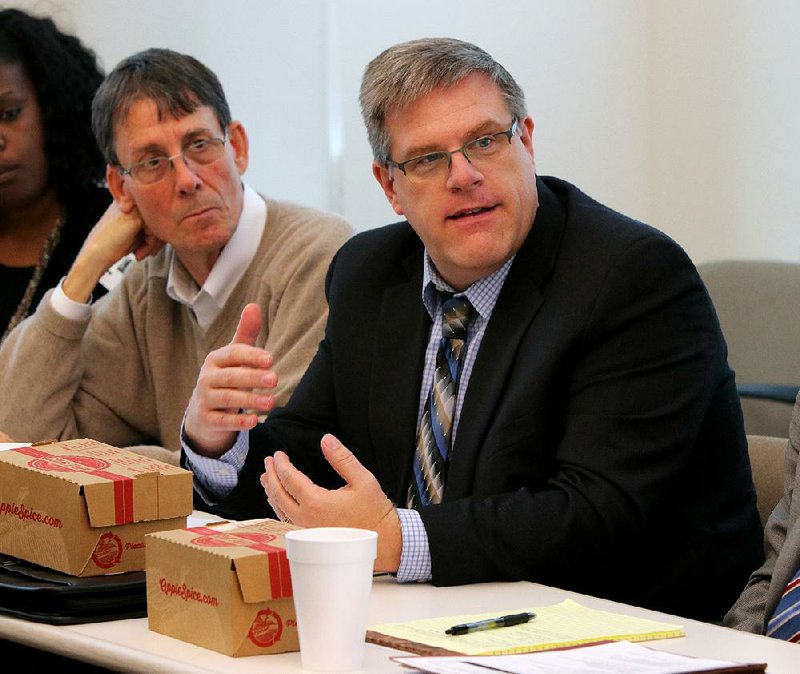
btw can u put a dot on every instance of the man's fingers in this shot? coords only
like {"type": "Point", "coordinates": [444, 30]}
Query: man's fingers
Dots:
{"type": "Point", "coordinates": [147, 245]}
{"type": "Point", "coordinates": [231, 421]}
{"type": "Point", "coordinates": [249, 325]}
{"type": "Point", "coordinates": [276, 494]}
{"type": "Point", "coordinates": [238, 372]}
{"type": "Point", "coordinates": [282, 483]}
{"type": "Point", "coordinates": [240, 358]}
{"type": "Point", "coordinates": [342, 459]}
{"type": "Point", "coordinates": [290, 489]}
{"type": "Point", "coordinates": [292, 480]}
{"type": "Point", "coordinates": [226, 400]}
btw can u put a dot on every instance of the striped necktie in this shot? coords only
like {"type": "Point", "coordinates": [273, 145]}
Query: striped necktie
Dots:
{"type": "Point", "coordinates": [785, 622]}
{"type": "Point", "coordinates": [435, 430]}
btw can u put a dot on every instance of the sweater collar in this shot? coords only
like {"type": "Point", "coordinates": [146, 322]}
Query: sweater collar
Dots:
{"type": "Point", "coordinates": [233, 262]}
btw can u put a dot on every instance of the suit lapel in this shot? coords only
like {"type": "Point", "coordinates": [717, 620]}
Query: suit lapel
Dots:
{"type": "Point", "coordinates": [395, 378]}
{"type": "Point", "coordinates": [513, 316]}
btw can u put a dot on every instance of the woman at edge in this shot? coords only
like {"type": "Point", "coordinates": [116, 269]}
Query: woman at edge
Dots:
{"type": "Point", "coordinates": [51, 172]}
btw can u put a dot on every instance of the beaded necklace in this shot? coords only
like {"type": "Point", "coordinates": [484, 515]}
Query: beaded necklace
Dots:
{"type": "Point", "coordinates": [36, 279]}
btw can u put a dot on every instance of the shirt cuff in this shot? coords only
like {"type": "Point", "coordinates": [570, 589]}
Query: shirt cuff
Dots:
{"type": "Point", "coordinates": [415, 558]}
{"type": "Point", "coordinates": [67, 308]}
{"type": "Point", "coordinates": [215, 479]}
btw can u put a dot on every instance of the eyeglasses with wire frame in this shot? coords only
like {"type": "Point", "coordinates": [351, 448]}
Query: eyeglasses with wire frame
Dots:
{"type": "Point", "coordinates": [199, 152]}
{"type": "Point", "coordinates": [477, 152]}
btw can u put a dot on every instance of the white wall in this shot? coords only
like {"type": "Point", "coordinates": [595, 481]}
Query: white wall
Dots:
{"type": "Point", "coordinates": [578, 62]}
{"type": "Point", "coordinates": [267, 55]}
{"type": "Point", "coordinates": [681, 113]}
{"type": "Point", "coordinates": [725, 126]}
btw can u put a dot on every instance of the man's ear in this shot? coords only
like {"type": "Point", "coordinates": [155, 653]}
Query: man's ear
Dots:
{"type": "Point", "coordinates": [237, 137]}
{"type": "Point", "coordinates": [118, 187]}
{"type": "Point", "coordinates": [526, 134]}
{"type": "Point", "coordinates": [386, 182]}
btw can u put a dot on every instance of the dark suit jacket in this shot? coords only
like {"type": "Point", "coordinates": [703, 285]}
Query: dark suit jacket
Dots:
{"type": "Point", "coordinates": [600, 446]}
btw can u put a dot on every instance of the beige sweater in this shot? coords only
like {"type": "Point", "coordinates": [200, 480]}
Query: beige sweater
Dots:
{"type": "Point", "coordinates": [125, 376]}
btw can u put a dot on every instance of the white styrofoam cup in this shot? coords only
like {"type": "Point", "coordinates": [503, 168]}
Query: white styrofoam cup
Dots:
{"type": "Point", "coordinates": [331, 570]}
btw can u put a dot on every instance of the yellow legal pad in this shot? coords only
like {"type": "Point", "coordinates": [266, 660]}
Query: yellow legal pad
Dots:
{"type": "Point", "coordinates": [564, 624]}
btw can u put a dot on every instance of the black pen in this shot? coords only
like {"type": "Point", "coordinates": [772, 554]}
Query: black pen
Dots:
{"type": "Point", "coordinates": [491, 623]}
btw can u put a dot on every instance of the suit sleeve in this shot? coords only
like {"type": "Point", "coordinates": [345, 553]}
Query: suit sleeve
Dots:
{"type": "Point", "coordinates": [750, 612]}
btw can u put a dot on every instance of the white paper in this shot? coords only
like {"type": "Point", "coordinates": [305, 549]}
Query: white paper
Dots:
{"type": "Point", "coordinates": [200, 519]}
{"type": "Point", "coordinates": [10, 445]}
{"type": "Point", "coordinates": [613, 658]}
{"type": "Point", "coordinates": [115, 272]}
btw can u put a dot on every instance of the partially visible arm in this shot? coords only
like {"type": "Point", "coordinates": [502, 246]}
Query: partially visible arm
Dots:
{"type": "Point", "coordinates": [55, 376]}
{"type": "Point", "coordinates": [749, 611]}
{"type": "Point", "coordinates": [115, 235]}
{"type": "Point", "coordinates": [40, 371]}
{"type": "Point", "coordinates": [44, 361]}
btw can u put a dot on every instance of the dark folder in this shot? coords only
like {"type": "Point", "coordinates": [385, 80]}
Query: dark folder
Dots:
{"type": "Point", "coordinates": [42, 595]}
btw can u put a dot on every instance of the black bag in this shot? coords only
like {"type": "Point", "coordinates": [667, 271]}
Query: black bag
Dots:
{"type": "Point", "coordinates": [42, 595]}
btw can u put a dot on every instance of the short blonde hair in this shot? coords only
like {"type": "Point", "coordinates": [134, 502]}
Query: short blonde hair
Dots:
{"type": "Point", "coordinates": [403, 73]}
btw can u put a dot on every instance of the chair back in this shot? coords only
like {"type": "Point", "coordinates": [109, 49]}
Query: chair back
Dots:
{"type": "Point", "coordinates": [767, 455]}
{"type": "Point", "coordinates": [758, 305]}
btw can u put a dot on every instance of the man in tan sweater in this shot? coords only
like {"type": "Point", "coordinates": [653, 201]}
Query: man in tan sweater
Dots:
{"type": "Point", "coordinates": [122, 371]}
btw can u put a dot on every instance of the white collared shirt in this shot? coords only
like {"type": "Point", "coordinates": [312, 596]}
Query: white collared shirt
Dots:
{"type": "Point", "coordinates": [206, 302]}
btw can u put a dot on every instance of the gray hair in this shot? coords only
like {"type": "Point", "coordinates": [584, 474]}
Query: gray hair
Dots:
{"type": "Point", "coordinates": [404, 72]}
{"type": "Point", "coordinates": [177, 83]}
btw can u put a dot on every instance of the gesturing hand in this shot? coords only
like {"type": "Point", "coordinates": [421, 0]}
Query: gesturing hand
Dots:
{"type": "Point", "coordinates": [228, 383]}
{"type": "Point", "coordinates": [360, 503]}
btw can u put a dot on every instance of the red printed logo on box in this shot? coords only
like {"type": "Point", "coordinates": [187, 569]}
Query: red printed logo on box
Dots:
{"type": "Point", "coordinates": [226, 539]}
{"type": "Point", "coordinates": [266, 629]}
{"type": "Point", "coordinates": [108, 551]}
{"type": "Point", "coordinates": [123, 486]}
{"type": "Point", "coordinates": [280, 579]}
{"type": "Point", "coordinates": [69, 464]}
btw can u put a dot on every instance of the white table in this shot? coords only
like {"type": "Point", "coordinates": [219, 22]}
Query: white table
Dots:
{"type": "Point", "coordinates": [128, 645]}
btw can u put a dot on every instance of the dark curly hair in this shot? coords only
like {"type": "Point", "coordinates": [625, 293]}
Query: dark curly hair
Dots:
{"type": "Point", "coordinates": [65, 75]}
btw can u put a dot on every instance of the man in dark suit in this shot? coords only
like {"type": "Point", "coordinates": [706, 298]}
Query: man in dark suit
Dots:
{"type": "Point", "coordinates": [515, 383]}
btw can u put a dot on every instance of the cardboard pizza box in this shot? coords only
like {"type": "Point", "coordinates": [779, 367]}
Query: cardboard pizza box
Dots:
{"type": "Point", "coordinates": [83, 507]}
{"type": "Point", "coordinates": [224, 586]}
